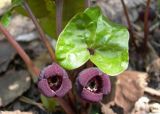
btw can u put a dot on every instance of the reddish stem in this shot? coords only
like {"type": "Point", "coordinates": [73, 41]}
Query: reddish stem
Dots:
{"type": "Point", "coordinates": [59, 13]}
{"type": "Point", "coordinates": [129, 23]}
{"type": "Point", "coordinates": [146, 24]}
{"type": "Point", "coordinates": [20, 51]}
{"type": "Point", "coordinates": [42, 34]}
{"type": "Point", "coordinates": [65, 106]}
{"type": "Point", "coordinates": [31, 66]}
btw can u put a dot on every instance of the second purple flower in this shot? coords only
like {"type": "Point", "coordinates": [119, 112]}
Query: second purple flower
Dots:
{"type": "Point", "coordinates": [93, 84]}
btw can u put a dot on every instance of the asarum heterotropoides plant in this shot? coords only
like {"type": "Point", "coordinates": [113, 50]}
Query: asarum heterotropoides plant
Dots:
{"type": "Point", "coordinates": [54, 81]}
{"type": "Point", "coordinates": [88, 36]}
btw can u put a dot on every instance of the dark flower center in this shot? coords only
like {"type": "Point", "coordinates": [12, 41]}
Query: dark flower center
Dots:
{"type": "Point", "coordinates": [95, 84]}
{"type": "Point", "coordinates": [55, 82]}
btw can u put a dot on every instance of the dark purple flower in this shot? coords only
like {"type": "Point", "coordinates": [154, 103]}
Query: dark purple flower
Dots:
{"type": "Point", "coordinates": [54, 81]}
{"type": "Point", "coordinates": [93, 84]}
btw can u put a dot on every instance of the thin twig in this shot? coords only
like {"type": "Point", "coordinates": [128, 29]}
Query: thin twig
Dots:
{"type": "Point", "coordinates": [152, 91]}
{"type": "Point", "coordinates": [42, 34]}
{"type": "Point", "coordinates": [32, 102]}
{"type": "Point", "coordinates": [20, 51]}
{"type": "Point", "coordinates": [129, 23]}
{"type": "Point", "coordinates": [146, 29]}
{"type": "Point", "coordinates": [59, 15]}
{"type": "Point", "coordinates": [31, 66]}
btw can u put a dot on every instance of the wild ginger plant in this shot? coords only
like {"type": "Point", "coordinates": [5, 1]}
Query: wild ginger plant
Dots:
{"type": "Point", "coordinates": [89, 37]}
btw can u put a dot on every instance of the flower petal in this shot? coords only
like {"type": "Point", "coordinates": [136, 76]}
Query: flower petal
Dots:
{"type": "Point", "coordinates": [54, 69]}
{"type": "Point", "coordinates": [91, 96]}
{"type": "Point", "coordinates": [45, 89]}
{"type": "Point", "coordinates": [88, 74]}
{"type": "Point", "coordinates": [65, 87]}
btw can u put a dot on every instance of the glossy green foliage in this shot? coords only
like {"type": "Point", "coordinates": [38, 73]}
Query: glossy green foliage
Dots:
{"type": "Point", "coordinates": [45, 12]}
{"type": "Point", "coordinates": [90, 35]}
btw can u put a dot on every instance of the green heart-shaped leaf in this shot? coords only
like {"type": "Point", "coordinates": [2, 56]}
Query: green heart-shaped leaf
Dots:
{"type": "Point", "coordinates": [90, 35]}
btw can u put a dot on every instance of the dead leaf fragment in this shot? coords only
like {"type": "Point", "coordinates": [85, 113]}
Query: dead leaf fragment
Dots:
{"type": "Point", "coordinates": [129, 88]}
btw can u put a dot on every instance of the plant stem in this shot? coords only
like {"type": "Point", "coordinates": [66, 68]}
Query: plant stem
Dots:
{"type": "Point", "coordinates": [129, 23]}
{"type": "Point", "coordinates": [59, 15]}
{"type": "Point", "coordinates": [31, 66]}
{"type": "Point", "coordinates": [42, 34]}
{"type": "Point", "coordinates": [146, 24]}
{"type": "Point", "coordinates": [20, 51]}
{"type": "Point", "coordinates": [89, 64]}
{"type": "Point", "coordinates": [65, 106]}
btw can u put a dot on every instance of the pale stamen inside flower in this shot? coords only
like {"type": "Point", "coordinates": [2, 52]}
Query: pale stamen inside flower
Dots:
{"type": "Point", "coordinates": [95, 84]}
